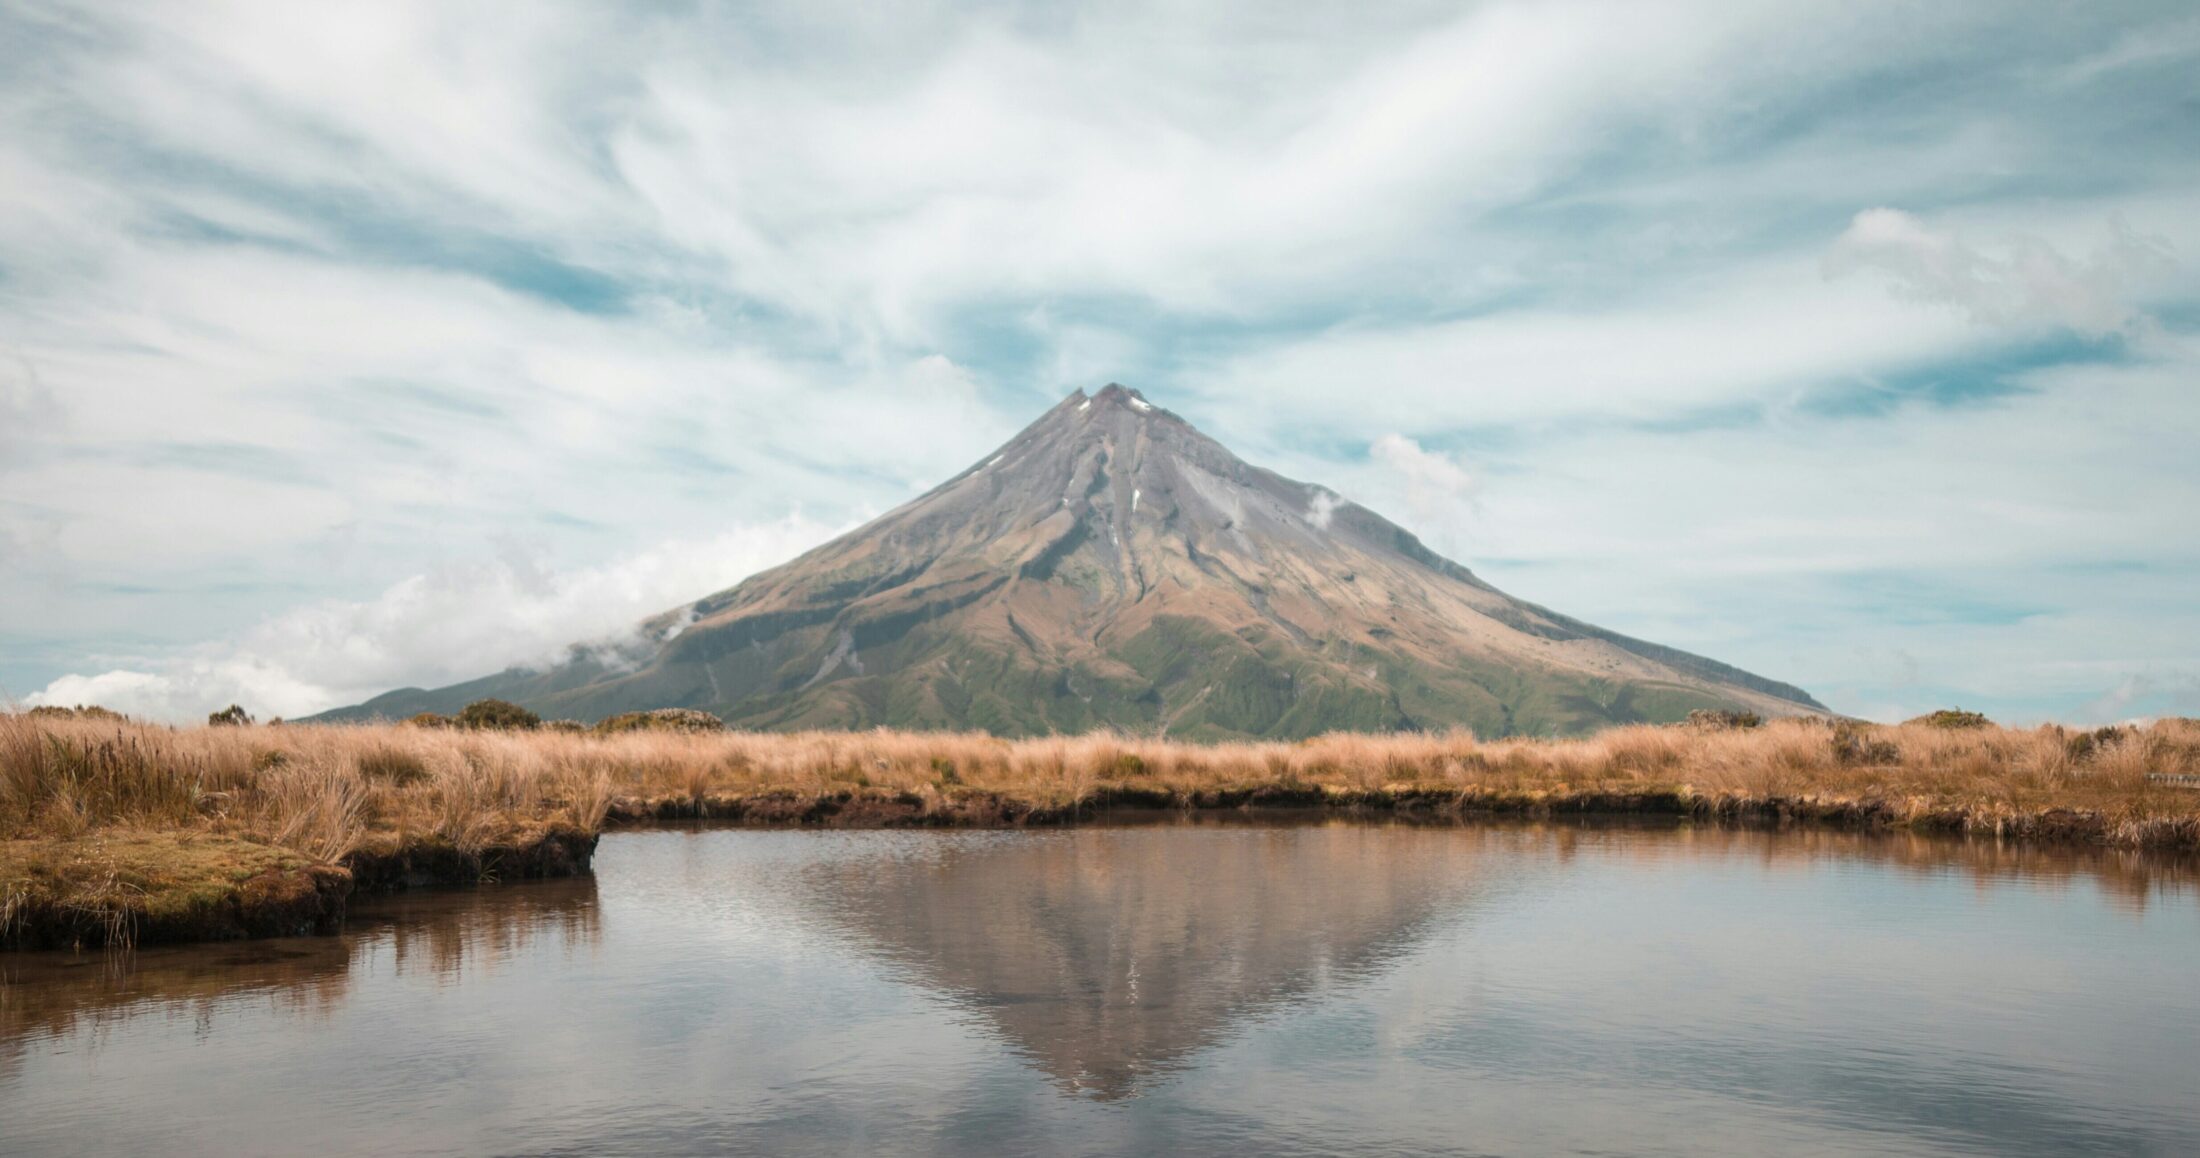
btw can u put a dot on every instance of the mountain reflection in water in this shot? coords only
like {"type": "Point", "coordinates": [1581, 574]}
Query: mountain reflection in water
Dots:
{"type": "Point", "coordinates": [1185, 985]}
{"type": "Point", "coordinates": [1105, 960]}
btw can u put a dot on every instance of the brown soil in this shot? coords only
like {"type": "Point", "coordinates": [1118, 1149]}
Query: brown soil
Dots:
{"type": "Point", "coordinates": [986, 809]}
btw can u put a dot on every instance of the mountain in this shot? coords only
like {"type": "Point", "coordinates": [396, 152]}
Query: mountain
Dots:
{"type": "Point", "coordinates": [1111, 565]}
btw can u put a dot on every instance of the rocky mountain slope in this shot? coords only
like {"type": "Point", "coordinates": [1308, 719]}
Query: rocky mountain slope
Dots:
{"type": "Point", "coordinates": [1112, 566]}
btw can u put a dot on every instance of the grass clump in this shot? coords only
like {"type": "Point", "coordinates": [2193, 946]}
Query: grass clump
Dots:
{"type": "Point", "coordinates": [107, 830]}
{"type": "Point", "coordinates": [1953, 718]}
{"type": "Point", "coordinates": [391, 764]}
{"type": "Point", "coordinates": [661, 720]}
{"type": "Point", "coordinates": [1856, 746]}
{"type": "Point", "coordinates": [1722, 720]}
{"type": "Point", "coordinates": [498, 715]}
{"type": "Point", "coordinates": [128, 885]}
{"type": "Point", "coordinates": [79, 712]}
{"type": "Point", "coordinates": [2084, 746]}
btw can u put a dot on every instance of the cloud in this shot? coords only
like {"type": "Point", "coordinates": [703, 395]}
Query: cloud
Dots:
{"type": "Point", "coordinates": [434, 629]}
{"type": "Point", "coordinates": [873, 175]}
{"type": "Point", "coordinates": [330, 299]}
{"type": "Point", "coordinates": [2025, 554]}
{"type": "Point", "coordinates": [246, 418]}
{"type": "Point", "coordinates": [2028, 283]}
{"type": "Point", "coordinates": [1145, 156]}
{"type": "Point", "coordinates": [1757, 329]}
{"type": "Point", "coordinates": [1436, 474]}
{"type": "Point", "coordinates": [1438, 491]}
{"type": "Point", "coordinates": [2142, 695]}
{"type": "Point", "coordinates": [27, 411]}
{"type": "Point", "coordinates": [2151, 47]}
{"type": "Point", "coordinates": [1322, 508]}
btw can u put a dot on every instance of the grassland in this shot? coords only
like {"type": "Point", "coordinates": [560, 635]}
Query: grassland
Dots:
{"type": "Point", "coordinates": [113, 831]}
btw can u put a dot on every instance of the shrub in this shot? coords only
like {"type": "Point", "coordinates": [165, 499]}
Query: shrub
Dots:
{"type": "Point", "coordinates": [233, 716]}
{"type": "Point", "coordinates": [430, 720]}
{"type": "Point", "coordinates": [661, 720]}
{"type": "Point", "coordinates": [565, 727]}
{"type": "Point", "coordinates": [1953, 718]}
{"type": "Point", "coordinates": [79, 712]}
{"type": "Point", "coordinates": [498, 716]}
{"type": "Point", "coordinates": [1722, 720]}
{"type": "Point", "coordinates": [1854, 746]}
{"type": "Point", "coordinates": [2085, 745]}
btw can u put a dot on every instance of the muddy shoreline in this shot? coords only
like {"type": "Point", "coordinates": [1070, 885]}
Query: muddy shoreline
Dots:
{"type": "Point", "coordinates": [290, 897]}
{"type": "Point", "coordinates": [299, 897]}
{"type": "Point", "coordinates": [859, 809]}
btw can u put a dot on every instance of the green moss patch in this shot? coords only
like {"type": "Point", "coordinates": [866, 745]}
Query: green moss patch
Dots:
{"type": "Point", "coordinates": [121, 887]}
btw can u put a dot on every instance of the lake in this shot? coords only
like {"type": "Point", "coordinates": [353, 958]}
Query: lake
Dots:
{"type": "Point", "coordinates": [1189, 986]}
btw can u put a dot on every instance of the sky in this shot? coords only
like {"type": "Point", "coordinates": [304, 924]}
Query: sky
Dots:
{"type": "Point", "coordinates": [353, 346]}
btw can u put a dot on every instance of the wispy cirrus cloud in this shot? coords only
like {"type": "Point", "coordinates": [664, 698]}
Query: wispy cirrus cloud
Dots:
{"type": "Point", "coordinates": [2028, 282]}
{"type": "Point", "coordinates": [27, 411]}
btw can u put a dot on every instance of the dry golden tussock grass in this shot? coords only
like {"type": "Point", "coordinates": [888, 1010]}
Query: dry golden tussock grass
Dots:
{"type": "Point", "coordinates": [110, 828]}
{"type": "Point", "coordinates": [107, 825]}
{"type": "Point", "coordinates": [327, 790]}
{"type": "Point", "coordinates": [321, 791]}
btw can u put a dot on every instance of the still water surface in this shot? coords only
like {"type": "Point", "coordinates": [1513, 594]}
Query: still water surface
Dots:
{"type": "Point", "coordinates": [1206, 988]}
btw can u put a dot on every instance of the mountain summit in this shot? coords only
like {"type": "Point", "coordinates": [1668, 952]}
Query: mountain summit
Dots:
{"type": "Point", "coordinates": [1112, 566]}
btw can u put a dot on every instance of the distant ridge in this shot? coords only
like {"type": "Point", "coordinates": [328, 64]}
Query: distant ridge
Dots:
{"type": "Point", "coordinates": [1112, 566]}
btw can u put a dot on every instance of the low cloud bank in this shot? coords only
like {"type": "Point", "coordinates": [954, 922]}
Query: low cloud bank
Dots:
{"type": "Point", "coordinates": [431, 629]}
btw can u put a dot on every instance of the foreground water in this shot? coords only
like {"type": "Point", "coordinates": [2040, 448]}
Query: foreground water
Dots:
{"type": "Point", "coordinates": [1203, 988]}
